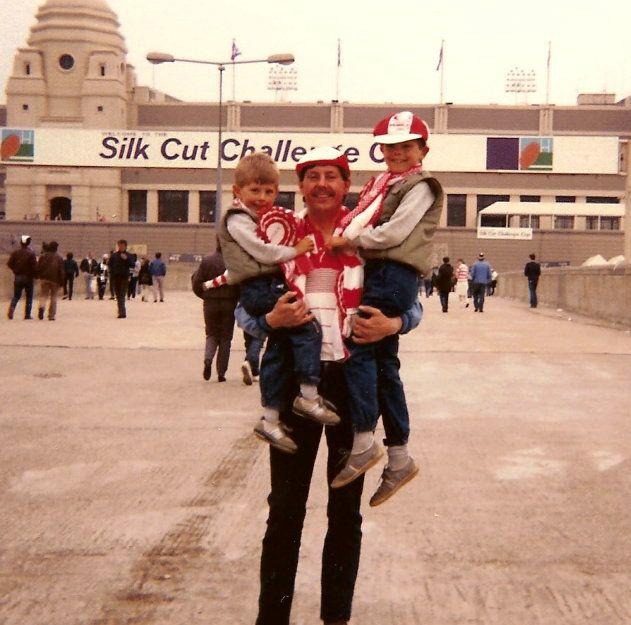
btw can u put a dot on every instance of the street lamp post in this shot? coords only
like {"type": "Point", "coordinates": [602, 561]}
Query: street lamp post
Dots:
{"type": "Point", "coordinates": [280, 59]}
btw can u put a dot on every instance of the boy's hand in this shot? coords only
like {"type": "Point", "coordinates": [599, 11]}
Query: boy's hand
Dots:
{"type": "Point", "coordinates": [303, 246]}
{"type": "Point", "coordinates": [207, 285]}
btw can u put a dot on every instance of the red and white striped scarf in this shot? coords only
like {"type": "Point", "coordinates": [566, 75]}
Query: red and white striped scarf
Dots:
{"type": "Point", "coordinates": [370, 205]}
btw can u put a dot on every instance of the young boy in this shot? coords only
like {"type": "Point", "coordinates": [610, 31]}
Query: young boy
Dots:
{"type": "Point", "coordinates": [256, 263]}
{"type": "Point", "coordinates": [393, 227]}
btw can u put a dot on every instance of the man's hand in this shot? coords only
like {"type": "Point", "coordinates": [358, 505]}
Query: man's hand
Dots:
{"type": "Point", "coordinates": [339, 244]}
{"type": "Point", "coordinates": [287, 313]}
{"type": "Point", "coordinates": [303, 246]}
{"type": "Point", "coordinates": [374, 327]}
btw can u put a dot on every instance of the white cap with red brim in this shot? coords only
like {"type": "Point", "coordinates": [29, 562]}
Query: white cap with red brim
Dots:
{"type": "Point", "coordinates": [25, 238]}
{"type": "Point", "coordinates": [400, 127]}
{"type": "Point", "coordinates": [323, 156]}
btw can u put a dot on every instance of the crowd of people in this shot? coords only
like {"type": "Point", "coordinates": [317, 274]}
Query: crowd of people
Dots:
{"type": "Point", "coordinates": [125, 273]}
{"type": "Point", "coordinates": [468, 283]}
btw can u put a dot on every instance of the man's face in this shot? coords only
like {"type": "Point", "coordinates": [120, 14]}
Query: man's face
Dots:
{"type": "Point", "coordinates": [122, 247]}
{"type": "Point", "coordinates": [256, 196]}
{"type": "Point", "coordinates": [324, 188]}
{"type": "Point", "coordinates": [402, 156]}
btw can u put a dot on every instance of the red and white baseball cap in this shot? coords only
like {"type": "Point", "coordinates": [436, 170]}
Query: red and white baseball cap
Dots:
{"type": "Point", "coordinates": [400, 127]}
{"type": "Point", "coordinates": [323, 156]}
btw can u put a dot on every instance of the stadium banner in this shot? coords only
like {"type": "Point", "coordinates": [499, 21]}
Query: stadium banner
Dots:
{"type": "Point", "coordinates": [516, 234]}
{"type": "Point", "coordinates": [70, 147]}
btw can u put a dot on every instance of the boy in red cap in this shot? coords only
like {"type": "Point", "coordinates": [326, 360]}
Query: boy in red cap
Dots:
{"type": "Point", "coordinates": [392, 226]}
{"type": "Point", "coordinates": [264, 267]}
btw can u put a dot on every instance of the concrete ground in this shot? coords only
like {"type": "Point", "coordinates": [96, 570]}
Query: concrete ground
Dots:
{"type": "Point", "coordinates": [132, 492]}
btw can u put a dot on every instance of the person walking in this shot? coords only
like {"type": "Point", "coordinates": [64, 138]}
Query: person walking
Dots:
{"type": "Point", "coordinates": [158, 270]}
{"type": "Point", "coordinates": [219, 305]}
{"type": "Point", "coordinates": [102, 275]}
{"type": "Point", "coordinates": [462, 282]}
{"type": "Point", "coordinates": [480, 277]}
{"type": "Point", "coordinates": [133, 278]}
{"type": "Point", "coordinates": [51, 274]}
{"type": "Point", "coordinates": [71, 269]}
{"type": "Point", "coordinates": [23, 264]}
{"type": "Point", "coordinates": [90, 270]}
{"type": "Point", "coordinates": [119, 265]}
{"type": "Point", "coordinates": [445, 282]}
{"type": "Point", "coordinates": [144, 279]}
{"type": "Point", "coordinates": [532, 271]}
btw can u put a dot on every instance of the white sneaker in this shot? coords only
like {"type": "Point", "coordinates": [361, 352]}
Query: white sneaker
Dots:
{"type": "Point", "coordinates": [255, 378]}
{"type": "Point", "coordinates": [246, 370]}
{"type": "Point", "coordinates": [275, 435]}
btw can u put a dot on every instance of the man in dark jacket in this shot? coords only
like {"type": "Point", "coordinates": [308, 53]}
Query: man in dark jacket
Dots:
{"type": "Point", "coordinates": [23, 264]}
{"type": "Point", "coordinates": [445, 282]}
{"type": "Point", "coordinates": [119, 264]}
{"type": "Point", "coordinates": [219, 305]}
{"type": "Point", "coordinates": [532, 271]}
{"type": "Point", "coordinates": [72, 271]}
{"type": "Point", "coordinates": [51, 274]}
{"type": "Point", "coordinates": [90, 269]}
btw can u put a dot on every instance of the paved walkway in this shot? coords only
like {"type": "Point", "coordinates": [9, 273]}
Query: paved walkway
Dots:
{"type": "Point", "coordinates": [131, 491]}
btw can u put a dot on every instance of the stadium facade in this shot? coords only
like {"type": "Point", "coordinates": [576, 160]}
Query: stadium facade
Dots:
{"type": "Point", "coordinates": [83, 142]}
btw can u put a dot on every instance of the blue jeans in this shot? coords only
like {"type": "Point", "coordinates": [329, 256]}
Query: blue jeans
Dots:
{"type": "Point", "coordinates": [444, 300]}
{"type": "Point", "coordinates": [479, 289]}
{"type": "Point", "coordinates": [372, 371]}
{"type": "Point", "coordinates": [292, 353]}
{"type": "Point", "coordinates": [532, 287]}
{"type": "Point", "coordinates": [288, 350]}
{"type": "Point", "coordinates": [23, 283]}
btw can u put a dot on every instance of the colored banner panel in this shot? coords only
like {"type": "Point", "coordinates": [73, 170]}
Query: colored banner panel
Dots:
{"type": "Point", "coordinates": [18, 146]}
{"type": "Point", "coordinates": [519, 153]}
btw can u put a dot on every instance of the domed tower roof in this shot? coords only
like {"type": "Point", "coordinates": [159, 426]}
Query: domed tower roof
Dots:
{"type": "Point", "coordinates": [85, 21]}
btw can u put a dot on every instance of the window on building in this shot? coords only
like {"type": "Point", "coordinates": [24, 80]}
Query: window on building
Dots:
{"type": "Point", "coordinates": [530, 198]}
{"type": "Point", "coordinates": [591, 222]}
{"type": "Point", "coordinates": [456, 209]}
{"type": "Point", "coordinates": [564, 222]}
{"type": "Point", "coordinates": [25, 107]}
{"type": "Point", "coordinates": [99, 108]}
{"type": "Point", "coordinates": [486, 200]}
{"type": "Point", "coordinates": [285, 199]}
{"type": "Point", "coordinates": [595, 199]}
{"type": "Point", "coordinates": [610, 223]}
{"type": "Point", "coordinates": [534, 222]}
{"type": "Point", "coordinates": [102, 69]}
{"type": "Point", "coordinates": [351, 200]}
{"type": "Point", "coordinates": [565, 199]}
{"type": "Point", "coordinates": [524, 221]}
{"type": "Point", "coordinates": [27, 69]}
{"type": "Point", "coordinates": [173, 206]}
{"type": "Point", "coordinates": [137, 205]}
{"type": "Point", "coordinates": [207, 204]}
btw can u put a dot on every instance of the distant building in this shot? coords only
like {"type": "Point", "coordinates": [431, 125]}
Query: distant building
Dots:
{"type": "Point", "coordinates": [81, 141]}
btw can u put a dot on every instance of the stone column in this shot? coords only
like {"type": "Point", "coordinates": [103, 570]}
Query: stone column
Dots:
{"type": "Point", "coordinates": [193, 207]}
{"type": "Point", "coordinates": [472, 210]}
{"type": "Point", "coordinates": [38, 201]}
{"type": "Point", "coordinates": [627, 203]}
{"type": "Point", "coordinates": [152, 206]}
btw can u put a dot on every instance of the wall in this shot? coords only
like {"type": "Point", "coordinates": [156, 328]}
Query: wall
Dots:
{"type": "Point", "coordinates": [597, 292]}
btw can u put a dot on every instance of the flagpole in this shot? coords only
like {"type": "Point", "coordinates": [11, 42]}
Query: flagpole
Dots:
{"type": "Point", "coordinates": [442, 72]}
{"type": "Point", "coordinates": [339, 64]}
{"type": "Point", "coordinates": [548, 74]}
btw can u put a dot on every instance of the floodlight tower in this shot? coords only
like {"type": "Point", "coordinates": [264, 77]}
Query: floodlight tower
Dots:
{"type": "Point", "coordinates": [519, 81]}
{"type": "Point", "coordinates": [282, 79]}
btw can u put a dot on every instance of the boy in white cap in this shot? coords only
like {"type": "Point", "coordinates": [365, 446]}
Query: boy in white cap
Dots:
{"type": "Point", "coordinates": [264, 268]}
{"type": "Point", "coordinates": [392, 226]}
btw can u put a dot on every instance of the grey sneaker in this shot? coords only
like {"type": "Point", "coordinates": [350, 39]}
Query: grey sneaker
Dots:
{"type": "Point", "coordinates": [246, 370]}
{"type": "Point", "coordinates": [275, 436]}
{"type": "Point", "coordinates": [357, 464]}
{"type": "Point", "coordinates": [392, 481]}
{"type": "Point", "coordinates": [319, 410]}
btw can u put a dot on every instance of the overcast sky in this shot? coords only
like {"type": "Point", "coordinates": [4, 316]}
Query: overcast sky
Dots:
{"type": "Point", "coordinates": [389, 50]}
